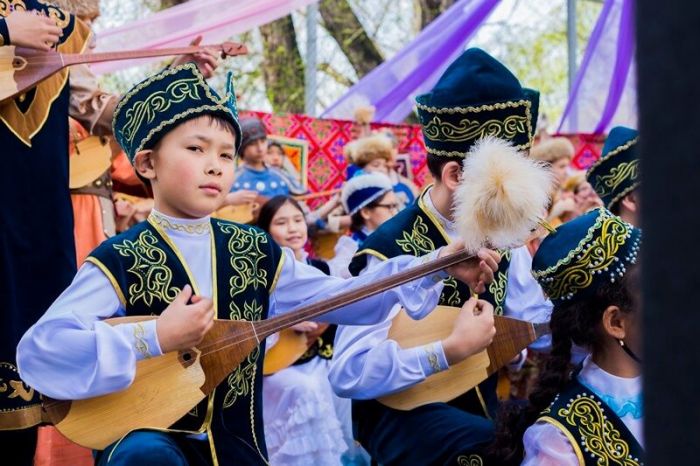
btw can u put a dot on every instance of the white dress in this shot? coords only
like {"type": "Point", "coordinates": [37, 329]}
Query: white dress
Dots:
{"type": "Point", "coordinates": [546, 445]}
{"type": "Point", "coordinates": [303, 416]}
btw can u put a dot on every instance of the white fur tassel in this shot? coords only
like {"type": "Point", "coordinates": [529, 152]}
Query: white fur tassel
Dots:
{"type": "Point", "coordinates": [501, 196]}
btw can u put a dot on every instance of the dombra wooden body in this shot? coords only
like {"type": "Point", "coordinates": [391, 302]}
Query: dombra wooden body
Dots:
{"type": "Point", "coordinates": [290, 346]}
{"type": "Point", "coordinates": [512, 336]}
{"type": "Point", "coordinates": [166, 387]}
{"type": "Point", "coordinates": [288, 349]}
{"type": "Point", "coordinates": [23, 68]}
{"type": "Point", "coordinates": [93, 156]}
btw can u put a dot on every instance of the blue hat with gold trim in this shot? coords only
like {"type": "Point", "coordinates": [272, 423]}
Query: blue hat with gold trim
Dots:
{"type": "Point", "coordinates": [159, 103]}
{"type": "Point", "coordinates": [477, 96]}
{"type": "Point", "coordinates": [584, 253]}
{"type": "Point", "coordinates": [617, 173]}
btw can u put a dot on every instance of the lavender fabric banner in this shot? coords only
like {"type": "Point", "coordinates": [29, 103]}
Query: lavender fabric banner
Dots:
{"type": "Point", "coordinates": [604, 93]}
{"type": "Point", "coordinates": [216, 20]}
{"type": "Point", "coordinates": [393, 85]}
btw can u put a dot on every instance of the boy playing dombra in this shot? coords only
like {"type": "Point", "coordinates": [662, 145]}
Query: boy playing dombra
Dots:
{"type": "Point", "coordinates": [187, 269]}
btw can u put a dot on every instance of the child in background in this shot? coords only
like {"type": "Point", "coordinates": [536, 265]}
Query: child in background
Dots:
{"type": "Point", "coordinates": [370, 201]}
{"type": "Point", "coordinates": [301, 423]}
{"type": "Point", "coordinates": [591, 415]}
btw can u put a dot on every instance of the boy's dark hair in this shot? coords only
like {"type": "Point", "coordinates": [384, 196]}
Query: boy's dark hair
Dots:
{"type": "Point", "coordinates": [356, 220]}
{"type": "Point", "coordinates": [270, 208]}
{"type": "Point", "coordinates": [576, 322]}
{"type": "Point", "coordinates": [214, 119]}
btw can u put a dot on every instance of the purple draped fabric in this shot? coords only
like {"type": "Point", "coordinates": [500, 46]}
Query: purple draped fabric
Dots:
{"type": "Point", "coordinates": [604, 92]}
{"type": "Point", "coordinates": [216, 20]}
{"type": "Point", "coordinates": [393, 85]}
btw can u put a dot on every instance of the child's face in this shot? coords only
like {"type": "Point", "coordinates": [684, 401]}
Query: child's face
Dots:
{"type": "Point", "coordinates": [387, 207]}
{"type": "Point", "coordinates": [560, 170]}
{"type": "Point", "coordinates": [193, 169]}
{"type": "Point", "coordinates": [274, 157]}
{"type": "Point", "coordinates": [255, 151]}
{"type": "Point", "coordinates": [288, 227]}
{"type": "Point", "coordinates": [377, 166]}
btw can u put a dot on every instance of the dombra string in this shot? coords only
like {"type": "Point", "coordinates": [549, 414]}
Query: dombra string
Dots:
{"type": "Point", "coordinates": [261, 329]}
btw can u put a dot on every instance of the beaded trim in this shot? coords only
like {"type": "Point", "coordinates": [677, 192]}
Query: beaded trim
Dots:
{"type": "Point", "coordinates": [600, 252]}
{"type": "Point", "coordinates": [195, 228]}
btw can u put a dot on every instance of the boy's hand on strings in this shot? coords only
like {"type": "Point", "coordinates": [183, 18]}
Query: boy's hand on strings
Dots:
{"type": "Point", "coordinates": [476, 272]}
{"type": "Point", "coordinates": [181, 325]}
{"type": "Point", "coordinates": [473, 331]}
{"type": "Point", "coordinates": [32, 30]}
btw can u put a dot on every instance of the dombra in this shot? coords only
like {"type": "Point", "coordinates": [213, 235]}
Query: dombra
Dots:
{"type": "Point", "coordinates": [166, 387]}
{"type": "Point", "coordinates": [22, 68]}
{"type": "Point", "coordinates": [512, 336]}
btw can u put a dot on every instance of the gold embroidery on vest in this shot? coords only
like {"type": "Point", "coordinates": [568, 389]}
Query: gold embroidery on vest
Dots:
{"type": "Point", "coordinates": [497, 287]}
{"type": "Point", "coordinates": [60, 17]}
{"type": "Point", "coordinates": [325, 350]}
{"type": "Point", "coordinates": [17, 387]}
{"type": "Point", "coordinates": [245, 250]}
{"type": "Point", "coordinates": [469, 460]}
{"type": "Point", "coordinates": [597, 434]}
{"type": "Point", "coordinates": [153, 277]}
{"type": "Point", "coordinates": [8, 6]}
{"type": "Point", "coordinates": [607, 184]}
{"type": "Point", "coordinates": [416, 242]}
{"type": "Point", "coordinates": [450, 293]}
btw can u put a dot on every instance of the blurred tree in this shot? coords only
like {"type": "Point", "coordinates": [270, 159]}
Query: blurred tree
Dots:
{"type": "Point", "coordinates": [342, 24]}
{"type": "Point", "coordinates": [282, 67]}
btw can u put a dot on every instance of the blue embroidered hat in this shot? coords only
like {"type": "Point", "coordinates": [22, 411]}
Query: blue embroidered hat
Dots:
{"type": "Point", "coordinates": [159, 103]}
{"type": "Point", "coordinates": [361, 190]}
{"type": "Point", "coordinates": [476, 97]}
{"type": "Point", "coordinates": [584, 253]}
{"type": "Point", "coordinates": [617, 173]}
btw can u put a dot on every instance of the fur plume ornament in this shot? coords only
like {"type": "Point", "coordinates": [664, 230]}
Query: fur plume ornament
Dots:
{"type": "Point", "coordinates": [501, 196]}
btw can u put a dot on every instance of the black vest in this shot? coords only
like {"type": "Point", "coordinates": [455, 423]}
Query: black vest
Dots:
{"type": "Point", "coordinates": [597, 434]}
{"type": "Point", "coordinates": [416, 231]}
{"type": "Point", "coordinates": [147, 272]}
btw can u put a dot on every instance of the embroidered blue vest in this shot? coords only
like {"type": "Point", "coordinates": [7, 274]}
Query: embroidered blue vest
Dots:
{"type": "Point", "coordinates": [596, 433]}
{"type": "Point", "coordinates": [416, 231]}
{"type": "Point", "coordinates": [147, 272]}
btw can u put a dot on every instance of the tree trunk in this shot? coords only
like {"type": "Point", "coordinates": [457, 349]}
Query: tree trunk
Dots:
{"type": "Point", "coordinates": [282, 67]}
{"type": "Point", "coordinates": [342, 24]}
{"type": "Point", "coordinates": [168, 3]}
{"type": "Point", "coordinates": [428, 10]}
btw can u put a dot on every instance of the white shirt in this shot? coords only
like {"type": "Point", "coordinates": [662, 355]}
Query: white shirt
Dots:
{"type": "Point", "coordinates": [71, 354]}
{"type": "Point", "coordinates": [366, 364]}
{"type": "Point", "coordinates": [546, 445]}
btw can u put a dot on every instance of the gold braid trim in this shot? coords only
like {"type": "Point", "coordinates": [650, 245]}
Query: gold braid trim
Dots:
{"type": "Point", "coordinates": [598, 436]}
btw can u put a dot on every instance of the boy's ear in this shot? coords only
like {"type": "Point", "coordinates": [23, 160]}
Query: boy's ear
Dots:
{"type": "Point", "coordinates": [143, 164]}
{"type": "Point", "coordinates": [451, 173]}
{"type": "Point", "coordinates": [615, 322]}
